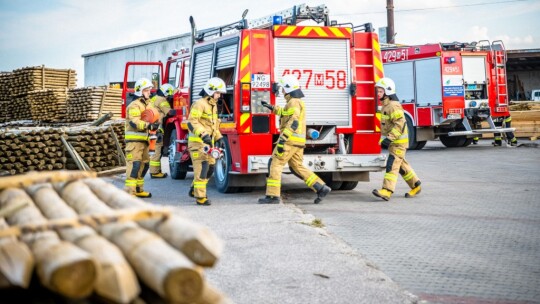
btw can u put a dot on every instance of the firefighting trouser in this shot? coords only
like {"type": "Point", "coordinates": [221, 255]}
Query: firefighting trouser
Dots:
{"type": "Point", "coordinates": [202, 164]}
{"type": "Point", "coordinates": [395, 164]}
{"type": "Point", "coordinates": [155, 160]}
{"type": "Point", "coordinates": [505, 123]}
{"type": "Point", "coordinates": [137, 160]}
{"type": "Point", "coordinates": [294, 156]}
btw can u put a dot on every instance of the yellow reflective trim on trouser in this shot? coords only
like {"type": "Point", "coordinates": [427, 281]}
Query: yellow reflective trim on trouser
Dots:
{"type": "Point", "coordinates": [390, 176]}
{"type": "Point", "coordinates": [131, 183]}
{"type": "Point", "coordinates": [409, 176]}
{"type": "Point", "coordinates": [311, 180]}
{"type": "Point", "coordinates": [397, 114]}
{"type": "Point", "coordinates": [140, 182]}
{"type": "Point", "coordinates": [141, 125]}
{"type": "Point", "coordinates": [136, 137]}
{"type": "Point", "coordinates": [509, 119]}
{"type": "Point", "coordinates": [273, 182]}
{"type": "Point", "coordinates": [199, 185]}
{"type": "Point", "coordinates": [155, 163]}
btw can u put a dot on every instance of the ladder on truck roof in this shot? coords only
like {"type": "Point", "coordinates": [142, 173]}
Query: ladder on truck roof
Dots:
{"type": "Point", "coordinates": [289, 16]}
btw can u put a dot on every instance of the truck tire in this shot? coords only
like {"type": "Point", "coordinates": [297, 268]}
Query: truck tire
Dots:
{"type": "Point", "coordinates": [467, 142]}
{"type": "Point", "coordinates": [178, 170]}
{"type": "Point", "coordinates": [327, 178]}
{"type": "Point", "coordinates": [222, 177]}
{"type": "Point", "coordinates": [348, 185]}
{"type": "Point", "coordinates": [411, 129]}
{"type": "Point", "coordinates": [455, 141]}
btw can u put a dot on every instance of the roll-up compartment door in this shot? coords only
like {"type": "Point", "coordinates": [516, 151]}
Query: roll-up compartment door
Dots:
{"type": "Point", "coordinates": [323, 67]}
{"type": "Point", "coordinates": [201, 67]}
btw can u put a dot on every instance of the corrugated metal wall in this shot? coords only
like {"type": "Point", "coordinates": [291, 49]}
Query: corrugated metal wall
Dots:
{"type": "Point", "coordinates": [102, 68]}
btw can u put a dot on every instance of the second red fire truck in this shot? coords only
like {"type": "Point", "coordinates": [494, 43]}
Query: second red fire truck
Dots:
{"type": "Point", "coordinates": [449, 89]}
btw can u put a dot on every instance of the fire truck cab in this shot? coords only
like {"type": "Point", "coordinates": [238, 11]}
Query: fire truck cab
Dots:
{"type": "Point", "coordinates": [449, 89]}
{"type": "Point", "coordinates": [337, 66]}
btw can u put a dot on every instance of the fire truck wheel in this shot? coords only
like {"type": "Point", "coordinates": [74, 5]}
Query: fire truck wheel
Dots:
{"type": "Point", "coordinates": [327, 178]}
{"type": "Point", "coordinates": [348, 185]}
{"type": "Point", "coordinates": [413, 144]}
{"type": "Point", "coordinates": [452, 141]}
{"type": "Point", "coordinates": [468, 142]}
{"type": "Point", "coordinates": [222, 178]}
{"type": "Point", "coordinates": [178, 170]}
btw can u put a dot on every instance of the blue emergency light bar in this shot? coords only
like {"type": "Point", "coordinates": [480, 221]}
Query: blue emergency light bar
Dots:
{"type": "Point", "coordinates": [277, 20]}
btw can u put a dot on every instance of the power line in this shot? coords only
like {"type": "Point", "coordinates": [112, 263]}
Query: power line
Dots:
{"type": "Point", "coordinates": [433, 8]}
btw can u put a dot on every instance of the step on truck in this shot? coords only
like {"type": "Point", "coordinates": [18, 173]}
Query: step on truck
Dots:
{"type": "Point", "coordinates": [450, 90]}
{"type": "Point", "coordinates": [337, 66]}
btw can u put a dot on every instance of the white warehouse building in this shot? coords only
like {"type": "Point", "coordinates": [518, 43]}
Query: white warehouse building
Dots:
{"type": "Point", "coordinates": [108, 66]}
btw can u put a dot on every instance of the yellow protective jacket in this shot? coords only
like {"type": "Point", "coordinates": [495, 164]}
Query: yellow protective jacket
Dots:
{"type": "Point", "coordinates": [292, 121]}
{"type": "Point", "coordinates": [202, 120]}
{"type": "Point", "coordinates": [136, 128]}
{"type": "Point", "coordinates": [393, 123]}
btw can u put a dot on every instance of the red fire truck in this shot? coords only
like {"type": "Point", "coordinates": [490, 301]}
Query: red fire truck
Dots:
{"type": "Point", "coordinates": [337, 66]}
{"type": "Point", "coordinates": [449, 89]}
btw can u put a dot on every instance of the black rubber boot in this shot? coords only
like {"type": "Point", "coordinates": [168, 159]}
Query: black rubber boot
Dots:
{"type": "Point", "coordinates": [191, 192]}
{"type": "Point", "coordinates": [322, 191]}
{"type": "Point", "coordinates": [270, 200]}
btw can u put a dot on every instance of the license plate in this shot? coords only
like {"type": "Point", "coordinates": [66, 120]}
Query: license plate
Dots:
{"type": "Point", "coordinates": [260, 81]}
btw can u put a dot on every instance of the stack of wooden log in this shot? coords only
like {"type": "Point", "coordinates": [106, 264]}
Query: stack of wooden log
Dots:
{"type": "Point", "coordinates": [4, 96]}
{"type": "Point", "coordinates": [89, 103]}
{"type": "Point", "coordinates": [84, 236]}
{"type": "Point", "coordinates": [27, 150]}
{"type": "Point", "coordinates": [96, 148]}
{"type": "Point", "coordinates": [48, 105]}
{"type": "Point", "coordinates": [29, 79]}
{"type": "Point", "coordinates": [19, 108]}
{"type": "Point", "coordinates": [527, 120]}
{"type": "Point", "coordinates": [118, 126]}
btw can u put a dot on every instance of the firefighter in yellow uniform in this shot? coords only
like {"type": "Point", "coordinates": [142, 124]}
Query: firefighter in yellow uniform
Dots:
{"type": "Point", "coordinates": [136, 137]}
{"type": "Point", "coordinates": [291, 144]}
{"type": "Point", "coordinates": [161, 102]}
{"type": "Point", "coordinates": [203, 125]}
{"type": "Point", "coordinates": [395, 137]}
{"type": "Point", "coordinates": [504, 122]}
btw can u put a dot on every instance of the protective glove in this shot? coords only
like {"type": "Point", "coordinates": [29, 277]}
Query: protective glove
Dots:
{"type": "Point", "coordinates": [153, 126]}
{"type": "Point", "coordinates": [386, 143]}
{"type": "Point", "coordinates": [267, 105]}
{"type": "Point", "coordinates": [207, 139]}
{"type": "Point", "coordinates": [218, 143]}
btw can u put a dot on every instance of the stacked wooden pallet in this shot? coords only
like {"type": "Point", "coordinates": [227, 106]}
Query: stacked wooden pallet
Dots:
{"type": "Point", "coordinates": [84, 235]}
{"type": "Point", "coordinates": [119, 128]}
{"type": "Point", "coordinates": [48, 105]}
{"type": "Point", "coordinates": [4, 96]}
{"type": "Point", "coordinates": [89, 103]}
{"type": "Point", "coordinates": [27, 150]}
{"type": "Point", "coordinates": [29, 79]}
{"type": "Point", "coordinates": [96, 149]}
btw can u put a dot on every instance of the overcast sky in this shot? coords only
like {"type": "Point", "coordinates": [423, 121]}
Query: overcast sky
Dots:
{"type": "Point", "coordinates": [57, 32]}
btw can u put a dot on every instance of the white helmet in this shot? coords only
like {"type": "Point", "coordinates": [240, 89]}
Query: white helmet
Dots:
{"type": "Point", "coordinates": [167, 89]}
{"type": "Point", "coordinates": [215, 84]}
{"type": "Point", "coordinates": [142, 84]}
{"type": "Point", "coordinates": [388, 85]}
{"type": "Point", "coordinates": [289, 83]}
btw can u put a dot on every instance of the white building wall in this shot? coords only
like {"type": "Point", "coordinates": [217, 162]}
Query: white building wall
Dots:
{"type": "Point", "coordinates": [102, 68]}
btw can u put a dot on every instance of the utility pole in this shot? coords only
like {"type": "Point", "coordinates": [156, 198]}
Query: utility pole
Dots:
{"type": "Point", "coordinates": [390, 21]}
